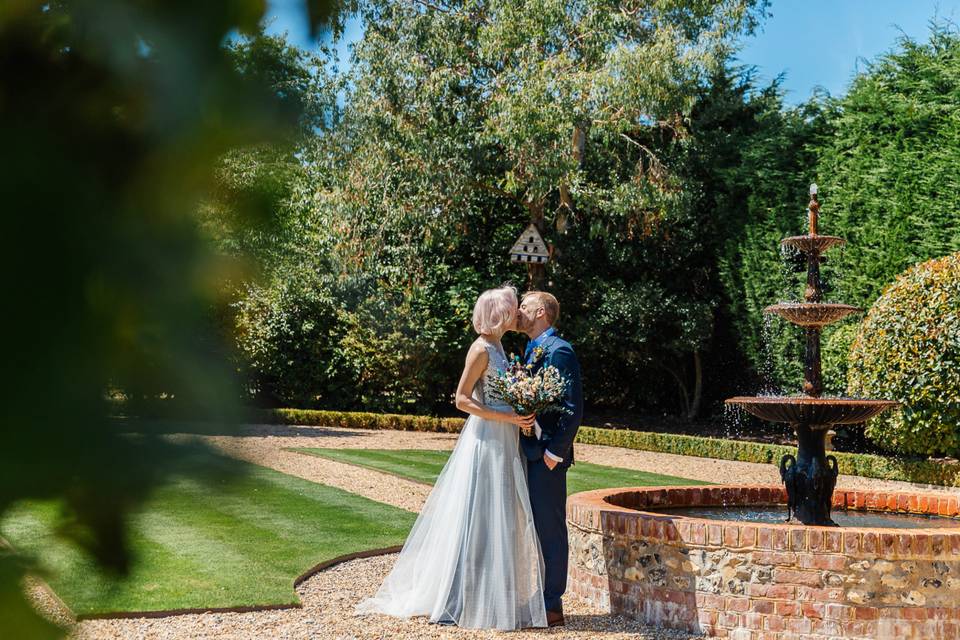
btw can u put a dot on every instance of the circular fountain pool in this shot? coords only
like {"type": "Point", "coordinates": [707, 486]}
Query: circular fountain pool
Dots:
{"type": "Point", "coordinates": [843, 518]}
{"type": "Point", "coordinates": [631, 552]}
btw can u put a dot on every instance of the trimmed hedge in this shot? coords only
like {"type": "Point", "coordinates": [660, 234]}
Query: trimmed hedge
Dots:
{"type": "Point", "coordinates": [360, 420]}
{"type": "Point", "coordinates": [855, 464]}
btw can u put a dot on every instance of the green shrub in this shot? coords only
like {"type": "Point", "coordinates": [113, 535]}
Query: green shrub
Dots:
{"type": "Point", "coordinates": [286, 330]}
{"type": "Point", "coordinates": [908, 349]}
{"type": "Point", "coordinates": [835, 351]}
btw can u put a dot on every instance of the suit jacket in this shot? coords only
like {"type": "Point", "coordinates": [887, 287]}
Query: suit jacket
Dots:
{"type": "Point", "coordinates": [559, 429]}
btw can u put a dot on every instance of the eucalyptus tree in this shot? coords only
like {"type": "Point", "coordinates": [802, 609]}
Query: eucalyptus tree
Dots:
{"type": "Point", "coordinates": [467, 120]}
{"type": "Point", "coordinates": [509, 98]}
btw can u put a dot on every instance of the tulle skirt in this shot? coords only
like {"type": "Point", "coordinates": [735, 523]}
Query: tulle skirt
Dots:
{"type": "Point", "coordinates": [472, 558]}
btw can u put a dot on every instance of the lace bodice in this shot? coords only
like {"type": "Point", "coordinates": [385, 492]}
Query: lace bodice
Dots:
{"type": "Point", "coordinates": [496, 362]}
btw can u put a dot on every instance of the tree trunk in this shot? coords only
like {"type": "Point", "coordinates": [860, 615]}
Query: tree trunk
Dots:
{"type": "Point", "coordinates": [578, 144]}
{"type": "Point", "coordinates": [536, 273]}
{"type": "Point", "coordinates": [683, 389]}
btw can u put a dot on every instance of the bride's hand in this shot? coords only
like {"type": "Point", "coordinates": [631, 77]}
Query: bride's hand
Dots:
{"type": "Point", "coordinates": [524, 422]}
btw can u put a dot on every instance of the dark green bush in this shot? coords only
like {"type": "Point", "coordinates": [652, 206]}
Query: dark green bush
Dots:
{"type": "Point", "coordinates": [834, 351]}
{"type": "Point", "coordinates": [856, 464]}
{"type": "Point", "coordinates": [888, 170]}
{"type": "Point", "coordinates": [908, 349]}
{"type": "Point", "coordinates": [885, 156]}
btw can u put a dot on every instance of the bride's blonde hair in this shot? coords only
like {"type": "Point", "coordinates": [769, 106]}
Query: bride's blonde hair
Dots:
{"type": "Point", "coordinates": [494, 310]}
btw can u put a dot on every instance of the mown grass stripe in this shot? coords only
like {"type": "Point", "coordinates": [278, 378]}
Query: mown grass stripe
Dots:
{"type": "Point", "coordinates": [418, 465]}
{"type": "Point", "coordinates": [217, 554]}
{"type": "Point", "coordinates": [421, 465]}
{"type": "Point", "coordinates": [205, 542]}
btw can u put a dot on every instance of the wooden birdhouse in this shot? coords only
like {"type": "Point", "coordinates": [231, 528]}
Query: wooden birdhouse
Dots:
{"type": "Point", "coordinates": [530, 247]}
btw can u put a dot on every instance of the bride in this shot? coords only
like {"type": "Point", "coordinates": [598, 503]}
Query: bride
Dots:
{"type": "Point", "coordinates": [473, 558]}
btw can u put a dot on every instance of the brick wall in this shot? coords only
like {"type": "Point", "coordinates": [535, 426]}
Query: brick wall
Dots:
{"type": "Point", "coordinates": [758, 581]}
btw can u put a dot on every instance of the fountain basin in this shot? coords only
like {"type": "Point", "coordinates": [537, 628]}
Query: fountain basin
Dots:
{"type": "Point", "coordinates": [725, 578]}
{"type": "Point", "coordinates": [811, 314]}
{"type": "Point", "coordinates": [778, 514]}
{"type": "Point", "coordinates": [813, 243]}
{"type": "Point", "coordinates": [816, 412]}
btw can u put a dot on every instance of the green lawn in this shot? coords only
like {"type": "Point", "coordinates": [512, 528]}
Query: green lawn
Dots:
{"type": "Point", "coordinates": [204, 541]}
{"type": "Point", "coordinates": [424, 466]}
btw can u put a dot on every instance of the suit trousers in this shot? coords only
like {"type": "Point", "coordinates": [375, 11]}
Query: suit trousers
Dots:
{"type": "Point", "coordinates": [548, 498]}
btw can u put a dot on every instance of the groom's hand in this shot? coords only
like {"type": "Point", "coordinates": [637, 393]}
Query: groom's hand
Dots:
{"type": "Point", "coordinates": [550, 462]}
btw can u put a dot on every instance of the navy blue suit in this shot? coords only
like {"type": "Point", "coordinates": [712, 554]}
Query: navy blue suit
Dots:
{"type": "Point", "coordinates": [548, 489]}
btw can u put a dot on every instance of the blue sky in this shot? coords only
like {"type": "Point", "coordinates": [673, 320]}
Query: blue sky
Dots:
{"type": "Point", "coordinates": [812, 42]}
{"type": "Point", "coordinates": [824, 42]}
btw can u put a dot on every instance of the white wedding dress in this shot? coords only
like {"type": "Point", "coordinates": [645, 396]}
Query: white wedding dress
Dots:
{"type": "Point", "coordinates": [472, 558]}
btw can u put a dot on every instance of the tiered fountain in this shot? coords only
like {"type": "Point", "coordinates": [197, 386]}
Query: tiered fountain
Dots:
{"type": "Point", "coordinates": [810, 477]}
{"type": "Point", "coordinates": [721, 560]}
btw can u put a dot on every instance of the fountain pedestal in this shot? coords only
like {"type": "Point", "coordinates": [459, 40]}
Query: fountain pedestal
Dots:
{"type": "Point", "coordinates": [810, 477]}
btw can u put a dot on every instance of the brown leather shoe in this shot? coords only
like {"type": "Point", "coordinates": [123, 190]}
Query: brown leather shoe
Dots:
{"type": "Point", "coordinates": [555, 619]}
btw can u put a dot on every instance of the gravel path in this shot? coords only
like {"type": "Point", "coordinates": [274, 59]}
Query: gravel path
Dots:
{"type": "Point", "coordinates": [329, 597]}
{"type": "Point", "coordinates": [328, 601]}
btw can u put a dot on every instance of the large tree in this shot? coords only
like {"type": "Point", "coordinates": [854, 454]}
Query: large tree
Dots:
{"type": "Point", "coordinates": [890, 171]}
{"type": "Point", "coordinates": [511, 98]}
{"type": "Point", "coordinates": [466, 121]}
{"type": "Point", "coordinates": [754, 158]}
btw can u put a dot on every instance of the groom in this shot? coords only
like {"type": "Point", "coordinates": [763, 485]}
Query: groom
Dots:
{"type": "Point", "coordinates": [549, 451]}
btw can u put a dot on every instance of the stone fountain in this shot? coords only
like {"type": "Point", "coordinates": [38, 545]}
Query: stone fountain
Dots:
{"type": "Point", "coordinates": [811, 475]}
{"type": "Point", "coordinates": [723, 561]}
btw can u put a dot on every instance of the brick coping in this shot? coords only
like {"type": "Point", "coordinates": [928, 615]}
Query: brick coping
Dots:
{"type": "Point", "coordinates": [623, 511]}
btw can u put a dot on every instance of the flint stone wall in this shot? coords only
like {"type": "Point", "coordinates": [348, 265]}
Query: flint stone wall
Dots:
{"type": "Point", "coordinates": [766, 582]}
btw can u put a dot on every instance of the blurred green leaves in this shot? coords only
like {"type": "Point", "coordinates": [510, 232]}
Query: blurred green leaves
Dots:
{"type": "Point", "coordinates": [113, 117]}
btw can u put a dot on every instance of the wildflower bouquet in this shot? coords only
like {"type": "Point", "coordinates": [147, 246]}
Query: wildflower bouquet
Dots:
{"type": "Point", "coordinates": [527, 392]}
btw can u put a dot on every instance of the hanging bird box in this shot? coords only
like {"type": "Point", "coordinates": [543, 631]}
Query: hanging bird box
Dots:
{"type": "Point", "coordinates": [530, 247]}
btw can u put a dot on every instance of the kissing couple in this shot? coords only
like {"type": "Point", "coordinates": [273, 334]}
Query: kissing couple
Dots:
{"type": "Point", "coordinates": [489, 548]}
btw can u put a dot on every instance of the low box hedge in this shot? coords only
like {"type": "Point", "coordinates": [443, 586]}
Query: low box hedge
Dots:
{"type": "Point", "coordinates": [360, 420]}
{"type": "Point", "coordinates": [855, 464]}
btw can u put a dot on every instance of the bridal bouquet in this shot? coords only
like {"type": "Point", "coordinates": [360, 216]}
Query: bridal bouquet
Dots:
{"type": "Point", "coordinates": [527, 392]}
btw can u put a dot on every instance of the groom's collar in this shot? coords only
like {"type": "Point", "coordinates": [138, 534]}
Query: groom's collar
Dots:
{"type": "Point", "coordinates": [543, 336]}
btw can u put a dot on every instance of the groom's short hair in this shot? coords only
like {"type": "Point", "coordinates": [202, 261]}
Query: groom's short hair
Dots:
{"type": "Point", "coordinates": [551, 308]}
